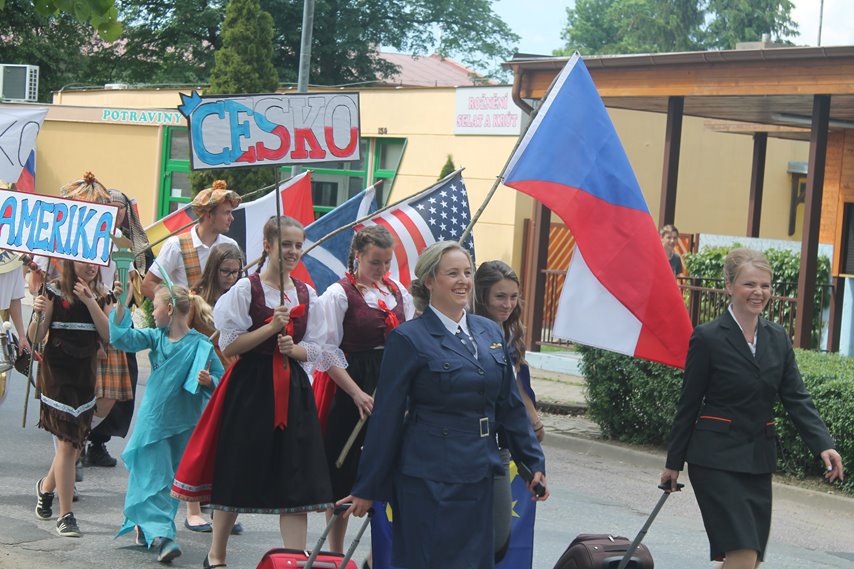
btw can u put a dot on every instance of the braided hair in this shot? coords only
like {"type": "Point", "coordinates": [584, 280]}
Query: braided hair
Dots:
{"type": "Point", "coordinates": [376, 235]}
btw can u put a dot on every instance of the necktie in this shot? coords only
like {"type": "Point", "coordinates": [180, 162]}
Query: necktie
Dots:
{"type": "Point", "coordinates": [466, 341]}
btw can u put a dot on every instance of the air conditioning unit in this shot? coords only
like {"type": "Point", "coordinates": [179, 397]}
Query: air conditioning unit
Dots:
{"type": "Point", "coordinates": [19, 82]}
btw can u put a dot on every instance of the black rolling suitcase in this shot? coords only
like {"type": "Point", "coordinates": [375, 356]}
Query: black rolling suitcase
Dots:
{"type": "Point", "coordinates": [602, 551]}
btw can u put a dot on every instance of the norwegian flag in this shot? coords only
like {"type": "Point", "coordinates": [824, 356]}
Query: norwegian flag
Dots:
{"type": "Point", "coordinates": [440, 213]}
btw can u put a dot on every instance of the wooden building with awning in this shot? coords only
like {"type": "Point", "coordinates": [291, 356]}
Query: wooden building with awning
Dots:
{"type": "Point", "coordinates": [802, 93]}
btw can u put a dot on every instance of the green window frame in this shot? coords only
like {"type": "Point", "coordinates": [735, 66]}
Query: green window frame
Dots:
{"type": "Point", "coordinates": [175, 189]}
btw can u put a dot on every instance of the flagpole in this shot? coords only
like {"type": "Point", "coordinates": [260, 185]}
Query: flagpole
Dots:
{"type": "Point", "coordinates": [500, 177]}
{"type": "Point", "coordinates": [386, 208]}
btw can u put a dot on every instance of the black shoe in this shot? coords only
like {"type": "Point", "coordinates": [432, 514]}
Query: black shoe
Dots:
{"type": "Point", "coordinates": [97, 455]}
{"type": "Point", "coordinates": [207, 564]}
{"type": "Point", "coordinates": [78, 470]}
{"type": "Point", "coordinates": [66, 526]}
{"type": "Point", "coordinates": [75, 497]}
{"type": "Point", "coordinates": [44, 502]}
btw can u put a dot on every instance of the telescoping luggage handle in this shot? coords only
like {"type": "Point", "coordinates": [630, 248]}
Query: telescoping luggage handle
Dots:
{"type": "Point", "coordinates": [642, 533]}
{"type": "Point", "coordinates": [336, 513]}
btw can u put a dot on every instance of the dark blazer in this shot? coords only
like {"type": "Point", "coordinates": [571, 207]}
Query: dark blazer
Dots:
{"type": "Point", "coordinates": [725, 417]}
{"type": "Point", "coordinates": [437, 407]}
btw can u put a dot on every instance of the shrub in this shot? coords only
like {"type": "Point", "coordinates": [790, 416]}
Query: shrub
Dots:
{"type": "Point", "coordinates": [635, 401]}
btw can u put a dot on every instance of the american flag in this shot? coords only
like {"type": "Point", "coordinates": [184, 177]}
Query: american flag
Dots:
{"type": "Point", "coordinates": [440, 213]}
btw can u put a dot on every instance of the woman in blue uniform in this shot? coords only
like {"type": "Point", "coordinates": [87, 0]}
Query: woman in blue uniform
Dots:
{"type": "Point", "coordinates": [738, 366]}
{"type": "Point", "coordinates": [446, 384]}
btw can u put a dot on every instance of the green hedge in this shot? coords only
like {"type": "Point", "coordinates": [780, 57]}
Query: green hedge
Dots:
{"type": "Point", "coordinates": [635, 401]}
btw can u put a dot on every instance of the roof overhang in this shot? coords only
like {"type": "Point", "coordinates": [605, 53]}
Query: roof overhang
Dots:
{"type": "Point", "coordinates": [770, 89]}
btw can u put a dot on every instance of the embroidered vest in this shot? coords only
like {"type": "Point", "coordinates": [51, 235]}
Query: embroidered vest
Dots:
{"type": "Point", "coordinates": [259, 312]}
{"type": "Point", "coordinates": [364, 326]}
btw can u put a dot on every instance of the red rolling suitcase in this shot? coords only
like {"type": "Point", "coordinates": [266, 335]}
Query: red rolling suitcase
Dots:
{"type": "Point", "coordinates": [602, 551]}
{"type": "Point", "coordinates": [281, 558]}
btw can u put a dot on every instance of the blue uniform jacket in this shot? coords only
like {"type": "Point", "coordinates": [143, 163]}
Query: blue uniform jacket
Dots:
{"type": "Point", "coordinates": [437, 408]}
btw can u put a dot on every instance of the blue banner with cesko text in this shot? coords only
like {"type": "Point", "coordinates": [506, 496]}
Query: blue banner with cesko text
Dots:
{"type": "Point", "coordinates": [56, 227]}
{"type": "Point", "coordinates": [234, 131]}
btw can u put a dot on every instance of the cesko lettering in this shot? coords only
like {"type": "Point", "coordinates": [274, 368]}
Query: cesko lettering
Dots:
{"type": "Point", "coordinates": [272, 129]}
{"type": "Point", "coordinates": [54, 227]}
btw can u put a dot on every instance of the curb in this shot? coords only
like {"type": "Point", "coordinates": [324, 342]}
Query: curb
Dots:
{"type": "Point", "coordinates": [561, 408]}
{"type": "Point", "coordinates": [654, 459]}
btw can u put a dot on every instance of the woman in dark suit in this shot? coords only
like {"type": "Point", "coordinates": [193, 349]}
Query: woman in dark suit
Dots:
{"type": "Point", "coordinates": [445, 385]}
{"type": "Point", "coordinates": [737, 367]}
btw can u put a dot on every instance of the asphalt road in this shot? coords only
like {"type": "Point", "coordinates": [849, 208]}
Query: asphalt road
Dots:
{"type": "Point", "coordinates": [596, 488]}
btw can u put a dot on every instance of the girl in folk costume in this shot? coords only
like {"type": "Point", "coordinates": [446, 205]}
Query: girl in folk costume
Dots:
{"type": "Point", "coordinates": [76, 315]}
{"type": "Point", "coordinates": [185, 370]}
{"type": "Point", "coordinates": [223, 268]}
{"type": "Point", "coordinates": [114, 379]}
{"type": "Point", "coordinates": [258, 446]}
{"type": "Point", "coordinates": [360, 310]}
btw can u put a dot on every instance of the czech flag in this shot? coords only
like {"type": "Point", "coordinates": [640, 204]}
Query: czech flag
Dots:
{"type": "Point", "coordinates": [27, 179]}
{"type": "Point", "coordinates": [619, 294]}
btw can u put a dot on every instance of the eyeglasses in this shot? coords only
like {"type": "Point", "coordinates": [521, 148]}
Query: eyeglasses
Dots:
{"type": "Point", "coordinates": [228, 273]}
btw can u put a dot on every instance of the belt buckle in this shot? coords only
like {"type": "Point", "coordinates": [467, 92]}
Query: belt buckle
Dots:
{"type": "Point", "coordinates": [484, 427]}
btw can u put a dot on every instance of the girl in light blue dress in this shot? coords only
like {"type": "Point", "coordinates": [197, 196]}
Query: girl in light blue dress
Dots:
{"type": "Point", "coordinates": [184, 371]}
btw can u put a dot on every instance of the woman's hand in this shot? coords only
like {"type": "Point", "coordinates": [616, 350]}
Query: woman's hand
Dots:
{"type": "Point", "coordinates": [23, 345]}
{"type": "Point", "coordinates": [364, 403]}
{"type": "Point", "coordinates": [40, 303]}
{"type": "Point", "coordinates": [668, 478]}
{"type": "Point", "coordinates": [118, 289]}
{"type": "Point", "coordinates": [359, 506]}
{"type": "Point", "coordinates": [539, 478]}
{"type": "Point", "coordinates": [280, 319]}
{"type": "Point", "coordinates": [286, 344]}
{"type": "Point", "coordinates": [83, 292]}
{"type": "Point", "coordinates": [833, 465]}
{"type": "Point", "coordinates": [205, 378]}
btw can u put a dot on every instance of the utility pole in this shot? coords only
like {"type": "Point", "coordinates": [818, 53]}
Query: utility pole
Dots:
{"type": "Point", "coordinates": [305, 55]}
{"type": "Point", "coordinates": [820, 21]}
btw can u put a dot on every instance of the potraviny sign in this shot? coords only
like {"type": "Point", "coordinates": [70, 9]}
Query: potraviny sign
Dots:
{"type": "Point", "coordinates": [254, 130]}
{"type": "Point", "coordinates": [56, 227]}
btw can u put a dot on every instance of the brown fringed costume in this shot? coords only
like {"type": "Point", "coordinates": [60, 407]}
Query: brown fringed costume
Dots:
{"type": "Point", "coordinates": [67, 379]}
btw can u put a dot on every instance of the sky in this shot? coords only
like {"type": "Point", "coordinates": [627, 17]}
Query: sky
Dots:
{"type": "Point", "coordinates": [540, 28]}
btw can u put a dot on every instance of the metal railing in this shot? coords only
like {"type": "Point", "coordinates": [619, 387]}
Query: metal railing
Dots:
{"type": "Point", "coordinates": [705, 300]}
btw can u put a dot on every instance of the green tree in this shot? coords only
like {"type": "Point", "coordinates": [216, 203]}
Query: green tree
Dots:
{"type": "Point", "coordinates": [173, 41]}
{"type": "Point", "coordinates": [243, 65]}
{"type": "Point", "coordinates": [57, 44]}
{"type": "Point", "coordinates": [653, 26]}
{"type": "Point", "coordinates": [447, 168]}
{"type": "Point", "coordinates": [100, 14]}
{"type": "Point", "coordinates": [165, 41]}
{"type": "Point", "coordinates": [746, 20]}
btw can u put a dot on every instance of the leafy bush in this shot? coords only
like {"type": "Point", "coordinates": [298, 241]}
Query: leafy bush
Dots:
{"type": "Point", "coordinates": [635, 401]}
